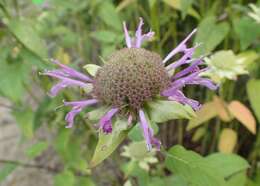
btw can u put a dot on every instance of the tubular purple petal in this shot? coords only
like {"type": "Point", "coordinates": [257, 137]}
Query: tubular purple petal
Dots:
{"type": "Point", "coordinates": [127, 37]}
{"type": "Point", "coordinates": [183, 60]}
{"type": "Point", "coordinates": [138, 34]}
{"type": "Point", "coordinates": [65, 82]}
{"type": "Point", "coordinates": [77, 107]}
{"type": "Point", "coordinates": [72, 73]}
{"type": "Point", "coordinates": [148, 132]}
{"type": "Point", "coordinates": [192, 68]}
{"type": "Point", "coordinates": [180, 97]}
{"type": "Point", "coordinates": [137, 41]}
{"type": "Point", "coordinates": [105, 123]}
{"type": "Point", "coordinates": [180, 48]}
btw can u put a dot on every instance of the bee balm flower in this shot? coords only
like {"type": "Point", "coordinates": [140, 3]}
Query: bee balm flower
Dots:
{"type": "Point", "coordinates": [132, 77]}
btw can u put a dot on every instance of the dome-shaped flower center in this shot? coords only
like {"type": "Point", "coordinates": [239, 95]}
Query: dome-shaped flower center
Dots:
{"type": "Point", "coordinates": [130, 77]}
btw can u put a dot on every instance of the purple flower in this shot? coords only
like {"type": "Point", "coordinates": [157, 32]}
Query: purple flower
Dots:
{"type": "Point", "coordinates": [139, 38]}
{"type": "Point", "coordinates": [68, 78]}
{"type": "Point", "coordinates": [105, 122]}
{"type": "Point", "coordinates": [77, 107]}
{"type": "Point", "coordinates": [128, 84]}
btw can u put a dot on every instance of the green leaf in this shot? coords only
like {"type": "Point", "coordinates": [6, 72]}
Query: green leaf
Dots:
{"type": "Point", "coordinates": [135, 133]}
{"type": "Point", "coordinates": [161, 111]}
{"type": "Point", "coordinates": [36, 149]}
{"type": "Point", "coordinates": [104, 36]}
{"type": "Point", "coordinates": [199, 171]}
{"type": "Point", "coordinates": [242, 27]}
{"type": "Point", "coordinates": [210, 35]}
{"type": "Point", "coordinates": [66, 178]}
{"type": "Point", "coordinates": [253, 89]}
{"type": "Point", "coordinates": [175, 180]}
{"type": "Point", "coordinates": [107, 12]}
{"type": "Point", "coordinates": [238, 179]}
{"type": "Point", "coordinates": [7, 169]}
{"type": "Point", "coordinates": [83, 181]}
{"type": "Point", "coordinates": [191, 166]}
{"type": "Point", "coordinates": [25, 34]}
{"type": "Point", "coordinates": [107, 143]}
{"type": "Point", "coordinates": [92, 69]}
{"type": "Point", "coordinates": [13, 75]}
{"type": "Point", "coordinates": [24, 120]}
{"type": "Point", "coordinates": [183, 6]}
{"type": "Point", "coordinates": [233, 164]}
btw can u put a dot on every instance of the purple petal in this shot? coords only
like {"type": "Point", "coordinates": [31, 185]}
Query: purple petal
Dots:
{"type": "Point", "coordinates": [105, 122]}
{"type": "Point", "coordinates": [181, 98]}
{"type": "Point", "coordinates": [180, 48]}
{"type": "Point", "coordinates": [72, 73]}
{"type": "Point", "coordinates": [127, 37]}
{"type": "Point", "coordinates": [77, 107]}
{"type": "Point", "coordinates": [204, 82]}
{"type": "Point", "coordinates": [190, 69]}
{"type": "Point", "coordinates": [183, 60]}
{"type": "Point", "coordinates": [65, 82]}
{"type": "Point", "coordinates": [130, 119]}
{"type": "Point", "coordinates": [148, 132]}
{"type": "Point", "coordinates": [138, 34]}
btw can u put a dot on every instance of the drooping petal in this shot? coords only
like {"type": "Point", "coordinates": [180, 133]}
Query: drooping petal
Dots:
{"type": "Point", "coordinates": [105, 123]}
{"type": "Point", "coordinates": [181, 98]}
{"type": "Point", "coordinates": [148, 132]}
{"type": "Point", "coordinates": [127, 37]}
{"type": "Point", "coordinates": [77, 107]}
{"type": "Point", "coordinates": [180, 48]}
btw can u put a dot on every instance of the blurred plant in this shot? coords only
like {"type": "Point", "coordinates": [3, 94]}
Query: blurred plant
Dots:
{"type": "Point", "coordinates": [225, 65]}
{"type": "Point", "coordinates": [137, 154]}
{"type": "Point", "coordinates": [255, 12]}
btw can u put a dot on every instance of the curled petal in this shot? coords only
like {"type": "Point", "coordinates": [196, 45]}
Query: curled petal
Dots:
{"type": "Point", "coordinates": [139, 38]}
{"type": "Point", "coordinates": [77, 107]}
{"type": "Point", "coordinates": [105, 123]}
{"type": "Point", "coordinates": [148, 132]}
{"type": "Point", "coordinates": [180, 48]}
{"type": "Point", "coordinates": [181, 98]}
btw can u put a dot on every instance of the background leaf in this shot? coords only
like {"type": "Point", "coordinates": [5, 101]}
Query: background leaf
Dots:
{"type": "Point", "coordinates": [227, 140]}
{"type": "Point", "coordinates": [253, 89]}
{"type": "Point", "coordinates": [208, 28]}
{"type": "Point", "coordinates": [243, 114]}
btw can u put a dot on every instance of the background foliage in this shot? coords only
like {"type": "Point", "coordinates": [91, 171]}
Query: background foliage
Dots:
{"type": "Point", "coordinates": [224, 138]}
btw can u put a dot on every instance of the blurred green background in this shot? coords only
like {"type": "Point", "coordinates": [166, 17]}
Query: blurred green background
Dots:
{"type": "Point", "coordinates": [78, 32]}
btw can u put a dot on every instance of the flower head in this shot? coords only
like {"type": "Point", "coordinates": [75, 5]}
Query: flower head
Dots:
{"type": "Point", "coordinates": [132, 77]}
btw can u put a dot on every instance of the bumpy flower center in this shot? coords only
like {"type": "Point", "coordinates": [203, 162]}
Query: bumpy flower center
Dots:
{"type": "Point", "coordinates": [131, 76]}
